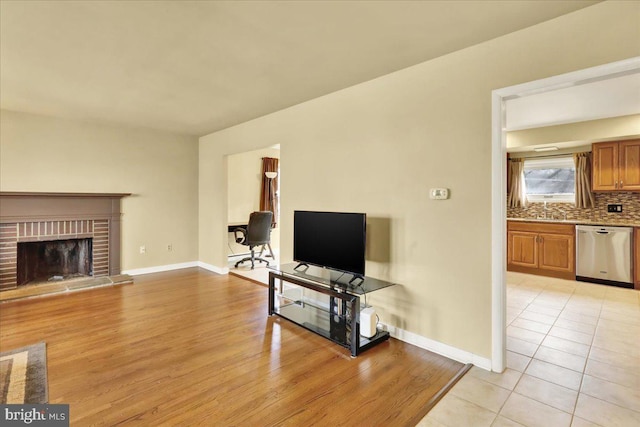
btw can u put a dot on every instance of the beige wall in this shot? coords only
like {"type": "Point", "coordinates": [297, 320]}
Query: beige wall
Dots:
{"type": "Point", "coordinates": [379, 146]}
{"type": "Point", "coordinates": [39, 153]}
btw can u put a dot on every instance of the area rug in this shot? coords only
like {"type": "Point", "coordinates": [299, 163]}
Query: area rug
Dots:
{"type": "Point", "coordinates": [23, 375]}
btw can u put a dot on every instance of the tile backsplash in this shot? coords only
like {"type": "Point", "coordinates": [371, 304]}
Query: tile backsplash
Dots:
{"type": "Point", "coordinates": [630, 209]}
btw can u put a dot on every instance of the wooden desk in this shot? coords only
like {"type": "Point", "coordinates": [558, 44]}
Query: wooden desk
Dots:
{"type": "Point", "coordinates": [235, 225]}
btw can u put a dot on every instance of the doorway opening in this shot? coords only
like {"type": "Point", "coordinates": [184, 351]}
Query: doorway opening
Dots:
{"type": "Point", "coordinates": [247, 183]}
{"type": "Point", "coordinates": [500, 98]}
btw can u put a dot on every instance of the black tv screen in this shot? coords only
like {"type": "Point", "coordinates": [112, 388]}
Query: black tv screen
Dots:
{"type": "Point", "coordinates": [334, 240]}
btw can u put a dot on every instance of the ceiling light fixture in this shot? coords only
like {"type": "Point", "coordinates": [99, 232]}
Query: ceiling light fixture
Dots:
{"type": "Point", "coordinates": [539, 149]}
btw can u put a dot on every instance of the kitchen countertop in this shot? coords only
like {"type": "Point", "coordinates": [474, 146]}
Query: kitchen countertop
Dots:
{"type": "Point", "coordinates": [580, 222]}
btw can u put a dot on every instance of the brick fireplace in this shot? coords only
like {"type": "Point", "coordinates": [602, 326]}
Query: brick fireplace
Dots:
{"type": "Point", "coordinates": [58, 223]}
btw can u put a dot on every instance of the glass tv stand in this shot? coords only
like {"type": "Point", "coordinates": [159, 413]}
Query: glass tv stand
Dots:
{"type": "Point", "coordinates": [324, 301]}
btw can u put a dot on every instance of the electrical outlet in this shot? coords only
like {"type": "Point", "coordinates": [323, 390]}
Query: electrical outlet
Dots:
{"type": "Point", "coordinates": [143, 250]}
{"type": "Point", "coordinates": [169, 247]}
{"type": "Point", "coordinates": [614, 208]}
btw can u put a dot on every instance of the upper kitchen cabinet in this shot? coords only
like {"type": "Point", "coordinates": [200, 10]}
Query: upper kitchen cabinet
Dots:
{"type": "Point", "coordinates": [616, 166]}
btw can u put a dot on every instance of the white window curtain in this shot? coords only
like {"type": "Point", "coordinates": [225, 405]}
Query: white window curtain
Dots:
{"type": "Point", "coordinates": [517, 194]}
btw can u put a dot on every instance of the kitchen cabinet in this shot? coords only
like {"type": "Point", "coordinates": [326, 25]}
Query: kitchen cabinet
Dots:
{"type": "Point", "coordinates": [546, 249]}
{"type": "Point", "coordinates": [616, 166]}
{"type": "Point", "coordinates": [636, 257]}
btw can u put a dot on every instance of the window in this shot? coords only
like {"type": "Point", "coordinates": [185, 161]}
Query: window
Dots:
{"type": "Point", "coordinates": [550, 179]}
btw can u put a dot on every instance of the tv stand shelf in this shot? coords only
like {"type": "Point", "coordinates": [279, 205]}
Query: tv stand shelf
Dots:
{"type": "Point", "coordinates": [324, 302]}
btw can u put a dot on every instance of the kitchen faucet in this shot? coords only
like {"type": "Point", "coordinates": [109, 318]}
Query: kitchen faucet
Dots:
{"type": "Point", "coordinates": [546, 209]}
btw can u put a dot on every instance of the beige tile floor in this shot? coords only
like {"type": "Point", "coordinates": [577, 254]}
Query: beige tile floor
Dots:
{"type": "Point", "coordinates": [573, 359]}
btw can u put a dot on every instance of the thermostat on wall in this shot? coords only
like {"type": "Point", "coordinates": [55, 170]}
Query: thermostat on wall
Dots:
{"type": "Point", "coordinates": [439, 193]}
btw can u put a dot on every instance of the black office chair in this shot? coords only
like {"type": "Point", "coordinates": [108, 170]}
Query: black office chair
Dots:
{"type": "Point", "coordinates": [258, 233]}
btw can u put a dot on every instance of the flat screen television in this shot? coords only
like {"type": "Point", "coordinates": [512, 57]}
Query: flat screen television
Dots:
{"type": "Point", "coordinates": [334, 240]}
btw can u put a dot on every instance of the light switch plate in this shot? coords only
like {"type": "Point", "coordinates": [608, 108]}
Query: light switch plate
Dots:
{"type": "Point", "coordinates": [439, 193]}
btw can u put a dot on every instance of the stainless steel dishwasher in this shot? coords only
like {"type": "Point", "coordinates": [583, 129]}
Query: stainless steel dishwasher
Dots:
{"type": "Point", "coordinates": [603, 255]}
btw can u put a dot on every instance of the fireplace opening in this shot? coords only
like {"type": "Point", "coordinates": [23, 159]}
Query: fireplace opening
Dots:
{"type": "Point", "coordinates": [48, 261]}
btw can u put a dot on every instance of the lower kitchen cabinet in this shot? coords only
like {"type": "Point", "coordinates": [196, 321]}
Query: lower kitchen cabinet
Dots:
{"type": "Point", "coordinates": [546, 249]}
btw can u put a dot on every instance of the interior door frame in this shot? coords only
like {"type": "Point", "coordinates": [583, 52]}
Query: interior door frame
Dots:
{"type": "Point", "coordinates": [499, 182]}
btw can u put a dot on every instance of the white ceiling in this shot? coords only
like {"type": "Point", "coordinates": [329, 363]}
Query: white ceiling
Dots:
{"type": "Point", "coordinates": [195, 67]}
{"type": "Point", "coordinates": [612, 97]}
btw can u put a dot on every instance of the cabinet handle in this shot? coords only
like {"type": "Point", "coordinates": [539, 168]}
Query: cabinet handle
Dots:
{"type": "Point", "coordinates": [621, 185]}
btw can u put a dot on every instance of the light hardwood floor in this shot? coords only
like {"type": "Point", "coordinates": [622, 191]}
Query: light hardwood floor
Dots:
{"type": "Point", "coordinates": [191, 347]}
